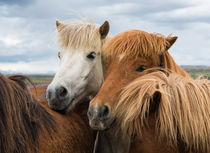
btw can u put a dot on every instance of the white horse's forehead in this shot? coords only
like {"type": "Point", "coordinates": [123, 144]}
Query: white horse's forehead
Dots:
{"type": "Point", "coordinates": [75, 63]}
{"type": "Point", "coordinates": [72, 58]}
{"type": "Point", "coordinates": [79, 51]}
{"type": "Point", "coordinates": [71, 66]}
{"type": "Point", "coordinates": [72, 51]}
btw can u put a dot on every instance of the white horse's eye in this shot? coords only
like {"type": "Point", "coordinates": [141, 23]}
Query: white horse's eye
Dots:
{"type": "Point", "coordinates": [92, 55]}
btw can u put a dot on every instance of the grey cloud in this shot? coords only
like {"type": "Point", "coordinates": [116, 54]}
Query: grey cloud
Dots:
{"type": "Point", "coordinates": [16, 2]}
{"type": "Point", "coordinates": [34, 25]}
{"type": "Point", "coordinates": [17, 58]}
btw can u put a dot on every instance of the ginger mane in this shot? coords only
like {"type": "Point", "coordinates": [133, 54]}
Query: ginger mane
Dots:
{"type": "Point", "coordinates": [183, 111]}
{"type": "Point", "coordinates": [135, 43]}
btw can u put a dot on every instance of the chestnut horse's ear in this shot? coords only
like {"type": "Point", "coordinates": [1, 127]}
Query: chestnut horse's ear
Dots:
{"type": "Point", "coordinates": [104, 29]}
{"type": "Point", "coordinates": [59, 24]}
{"type": "Point", "coordinates": [170, 41]}
{"type": "Point", "coordinates": [155, 102]}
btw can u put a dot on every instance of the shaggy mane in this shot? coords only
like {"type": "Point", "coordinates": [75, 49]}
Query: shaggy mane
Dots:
{"type": "Point", "coordinates": [135, 43]}
{"type": "Point", "coordinates": [183, 111]}
{"type": "Point", "coordinates": [80, 35]}
{"type": "Point", "coordinates": [22, 118]}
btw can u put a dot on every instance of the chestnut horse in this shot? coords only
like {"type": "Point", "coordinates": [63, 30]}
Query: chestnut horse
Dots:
{"type": "Point", "coordinates": [177, 108]}
{"type": "Point", "coordinates": [28, 126]}
{"type": "Point", "coordinates": [127, 55]}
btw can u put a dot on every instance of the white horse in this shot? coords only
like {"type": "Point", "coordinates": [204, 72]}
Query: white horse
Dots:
{"type": "Point", "coordinates": [81, 73]}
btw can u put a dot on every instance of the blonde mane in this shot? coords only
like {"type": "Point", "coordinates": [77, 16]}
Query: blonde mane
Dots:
{"type": "Point", "coordinates": [80, 34]}
{"type": "Point", "coordinates": [135, 43]}
{"type": "Point", "coordinates": [183, 111]}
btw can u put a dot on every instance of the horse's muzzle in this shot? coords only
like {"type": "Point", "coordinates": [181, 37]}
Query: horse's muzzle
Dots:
{"type": "Point", "coordinates": [99, 117]}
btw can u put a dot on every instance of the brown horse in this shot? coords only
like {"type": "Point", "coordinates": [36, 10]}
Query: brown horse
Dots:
{"type": "Point", "coordinates": [175, 107]}
{"type": "Point", "coordinates": [28, 126]}
{"type": "Point", "coordinates": [127, 55]}
{"type": "Point", "coordinates": [38, 91]}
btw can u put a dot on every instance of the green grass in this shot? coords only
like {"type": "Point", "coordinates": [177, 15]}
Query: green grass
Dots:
{"type": "Point", "coordinates": [37, 81]}
{"type": "Point", "coordinates": [41, 79]}
{"type": "Point", "coordinates": [196, 74]}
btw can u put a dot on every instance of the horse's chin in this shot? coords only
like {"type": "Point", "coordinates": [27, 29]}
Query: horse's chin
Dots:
{"type": "Point", "coordinates": [61, 111]}
{"type": "Point", "coordinates": [102, 125]}
{"type": "Point", "coordinates": [65, 109]}
{"type": "Point", "coordinates": [69, 104]}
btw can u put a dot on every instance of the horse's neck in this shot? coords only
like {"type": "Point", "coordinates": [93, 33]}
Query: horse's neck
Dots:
{"type": "Point", "coordinates": [81, 109]}
{"type": "Point", "coordinates": [170, 64]}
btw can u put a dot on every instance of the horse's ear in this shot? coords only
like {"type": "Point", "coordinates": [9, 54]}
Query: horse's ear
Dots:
{"type": "Point", "coordinates": [170, 41]}
{"type": "Point", "coordinates": [104, 29]}
{"type": "Point", "coordinates": [21, 80]}
{"type": "Point", "coordinates": [59, 24]}
{"type": "Point", "coordinates": [155, 102]}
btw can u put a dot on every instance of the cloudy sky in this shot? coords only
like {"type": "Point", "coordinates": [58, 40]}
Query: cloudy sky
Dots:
{"type": "Point", "coordinates": [27, 28]}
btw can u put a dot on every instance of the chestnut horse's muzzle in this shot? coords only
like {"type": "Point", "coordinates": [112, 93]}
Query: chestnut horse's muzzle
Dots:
{"type": "Point", "coordinates": [99, 117]}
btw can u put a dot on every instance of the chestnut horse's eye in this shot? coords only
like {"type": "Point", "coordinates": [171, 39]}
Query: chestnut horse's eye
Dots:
{"type": "Point", "coordinates": [141, 68]}
{"type": "Point", "coordinates": [59, 56]}
{"type": "Point", "coordinates": [91, 56]}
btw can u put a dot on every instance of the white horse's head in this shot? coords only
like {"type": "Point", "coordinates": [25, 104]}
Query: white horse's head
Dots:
{"type": "Point", "coordinates": [81, 73]}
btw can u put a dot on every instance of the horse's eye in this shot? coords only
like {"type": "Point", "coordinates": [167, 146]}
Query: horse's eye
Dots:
{"type": "Point", "coordinates": [59, 55]}
{"type": "Point", "coordinates": [141, 68]}
{"type": "Point", "coordinates": [92, 55]}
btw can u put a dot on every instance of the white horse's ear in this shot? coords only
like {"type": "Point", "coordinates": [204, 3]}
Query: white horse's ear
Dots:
{"type": "Point", "coordinates": [59, 24]}
{"type": "Point", "coordinates": [104, 29]}
{"type": "Point", "coordinates": [170, 41]}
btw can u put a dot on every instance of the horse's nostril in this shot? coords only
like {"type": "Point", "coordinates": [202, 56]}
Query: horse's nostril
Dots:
{"type": "Point", "coordinates": [49, 94]}
{"type": "Point", "coordinates": [61, 92]}
{"type": "Point", "coordinates": [89, 114]}
{"type": "Point", "coordinates": [105, 111]}
{"type": "Point", "coordinates": [98, 113]}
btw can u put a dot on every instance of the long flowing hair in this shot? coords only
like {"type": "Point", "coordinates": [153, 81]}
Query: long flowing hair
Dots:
{"type": "Point", "coordinates": [22, 118]}
{"type": "Point", "coordinates": [180, 105]}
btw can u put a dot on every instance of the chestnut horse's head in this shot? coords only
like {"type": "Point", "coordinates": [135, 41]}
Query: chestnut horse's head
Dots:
{"type": "Point", "coordinates": [81, 73]}
{"type": "Point", "coordinates": [127, 55]}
